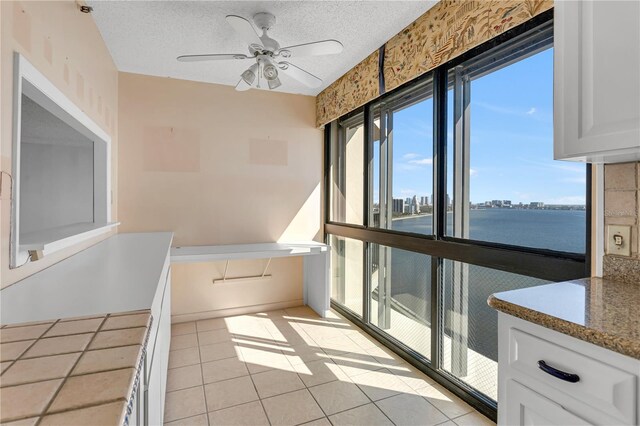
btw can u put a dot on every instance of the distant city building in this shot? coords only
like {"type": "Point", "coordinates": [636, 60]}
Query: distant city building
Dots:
{"type": "Point", "coordinates": [506, 204]}
{"type": "Point", "coordinates": [536, 205]}
{"type": "Point", "coordinates": [398, 205]}
{"type": "Point", "coordinates": [424, 200]}
{"type": "Point", "coordinates": [448, 201]}
{"type": "Point", "coordinates": [496, 203]}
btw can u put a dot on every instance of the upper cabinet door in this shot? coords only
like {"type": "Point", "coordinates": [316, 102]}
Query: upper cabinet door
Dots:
{"type": "Point", "coordinates": [597, 80]}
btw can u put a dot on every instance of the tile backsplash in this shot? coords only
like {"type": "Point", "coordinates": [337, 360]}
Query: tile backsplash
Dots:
{"type": "Point", "coordinates": [621, 207]}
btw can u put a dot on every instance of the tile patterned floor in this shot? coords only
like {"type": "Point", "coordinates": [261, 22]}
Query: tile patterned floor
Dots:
{"type": "Point", "coordinates": [290, 367]}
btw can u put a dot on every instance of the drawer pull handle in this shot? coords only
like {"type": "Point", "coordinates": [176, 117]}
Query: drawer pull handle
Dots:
{"type": "Point", "coordinates": [567, 377]}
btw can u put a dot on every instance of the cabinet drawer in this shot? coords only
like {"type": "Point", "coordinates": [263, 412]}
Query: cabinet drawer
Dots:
{"type": "Point", "coordinates": [600, 385]}
{"type": "Point", "coordinates": [528, 408]}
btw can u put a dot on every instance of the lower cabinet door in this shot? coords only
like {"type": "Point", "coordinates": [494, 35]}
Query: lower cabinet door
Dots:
{"type": "Point", "coordinates": [158, 362]}
{"type": "Point", "coordinates": [154, 396]}
{"type": "Point", "coordinates": [525, 407]}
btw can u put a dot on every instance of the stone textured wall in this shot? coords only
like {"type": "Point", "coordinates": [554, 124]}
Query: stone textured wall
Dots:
{"type": "Point", "coordinates": [621, 195]}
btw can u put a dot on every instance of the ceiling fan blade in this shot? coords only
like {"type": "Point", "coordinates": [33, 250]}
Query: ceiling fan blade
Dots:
{"type": "Point", "coordinates": [299, 74]}
{"type": "Point", "coordinates": [242, 85]}
{"type": "Point", "coordinates": [245, 29]}
{"type": "Point", "coordinates": [325, 47]}
{"type": "Point", "coordinates": [212, 57]}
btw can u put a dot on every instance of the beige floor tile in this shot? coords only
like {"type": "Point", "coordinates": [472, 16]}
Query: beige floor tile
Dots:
{"type": "Point", "coordinates": [473, 419]}
{"type": "Point", "coordinates": [64, 328]}
{"type": "Point", "coordinates": [260, 359]}
{"type": "Point", "coordinates": [108, 359]}
{"type": "Point", "coordinates": [184, 403]}
{"type": "Point", "coordinates": [405, 409]}
{"type": "Point", "coordinates": [258, 334]}
{"type": "Point", "coordinates": [183, 328]}
{"type": "Point", "coordinates": [59, 345]}
{"type": "Point", "coordinates": [318, 372]}
{"type": "Point", "coordinates": [338, 396]}
{"type": "Point", "coordinates": [445, 401]}
{"type": "Point", "coordinates": [275, 382]}
{"type": "Point", "coordinates": [211, 324]}
{"type": "Point", "coordinates": [301, 312]}
{"type": "Point", "coordinates": [184, 341]}
{"type": "Point", "coordinates": [324, 334]}
{"type": "Point", "coordinates": [112, 338]}
{"type": "Point", "coordinates": [228, 393]}
{"type": "Point", "coordinates": [126, 321]}
{"type": "Point", "coordinates": [320, 422]}
{"type": "Point", "coordinates": [353, 364]}
{"type": "Point", "coordinates": [412, 377]}
{"type": "Point", "coordinates": [39, 369]}
{"type": "Point", "coordinates": [304, 353]}
{"type": "Point", "coordinates": [28, 323]}
{"type": "Point", "coordinates": [107, 414]}
{"type": "Point", "coordinates": [213, 336]}
{"type": "Point", "coordinates": [24, 422]}
{"type": "Point", "coordinates": [366, 415]}
{"type": "Point", "coordinates": [241, 415]}
{"type": "Point", "coordinates": [381, 384]}
{"type": "Point", "coordinates": [218, 351]}
{"type": "Point", "coordinates": [12, 351]}
{"type": "Point", "coordinates": [363, 341]}
{"type": "Point", "coordinates": [26, 400]}
{"type": "Point", "coordinates": [92, 389]}
{"type": "Point", "coordinates": [184, 357]}
{"type": "Point", "coordinates": [286, 336]}
{"type": "Point", "coordinates": [223, 369]}
{"type": "Point", "coordinates": [339, 345]}
{"type": "Point", "coordinates": [292, 408]}
{"type": "Point", "coordinates": [4, 366]}
{"type": "Point", "coordinates": [184, 377]}
{"type": "Point", "coordinates": [199, 420]}
{"type": "Point", "coordinates": [15, 334]}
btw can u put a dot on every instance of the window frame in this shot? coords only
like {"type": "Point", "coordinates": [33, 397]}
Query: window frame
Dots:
{"type": "Point", "coordinates": [541, 263]}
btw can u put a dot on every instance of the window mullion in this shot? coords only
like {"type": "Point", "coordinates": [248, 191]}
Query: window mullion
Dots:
{"type": "Point", "coordinates": [439, 208]}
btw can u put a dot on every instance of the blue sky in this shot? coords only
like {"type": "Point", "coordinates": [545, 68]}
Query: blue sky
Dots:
{"type": "Point", "coordinates": [511, 141]}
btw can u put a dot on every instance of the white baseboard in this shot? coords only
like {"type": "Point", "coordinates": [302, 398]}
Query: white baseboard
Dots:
{"type": "Point", "coordinates": [242, 310]}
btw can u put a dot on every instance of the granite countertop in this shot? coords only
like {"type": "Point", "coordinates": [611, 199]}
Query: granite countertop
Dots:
{"type": "Point", "coordinates": [596, 310]}
{"type": "Point", "coordinates": [72, 371]}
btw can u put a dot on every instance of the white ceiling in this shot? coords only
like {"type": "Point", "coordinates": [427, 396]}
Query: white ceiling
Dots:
{"type": "Point", "coordinates": [145, 37]}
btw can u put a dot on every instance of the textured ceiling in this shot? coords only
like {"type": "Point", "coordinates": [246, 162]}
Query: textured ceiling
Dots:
{"type": "Point", "coordinates": [145, 37]}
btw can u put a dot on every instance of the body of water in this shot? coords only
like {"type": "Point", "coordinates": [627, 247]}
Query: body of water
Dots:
{"type": "Point", "coordinates": [563, 230]}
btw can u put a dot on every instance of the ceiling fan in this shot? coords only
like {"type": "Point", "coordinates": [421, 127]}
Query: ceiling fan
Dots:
{"type": "Point", "coordinates": [267, 54]}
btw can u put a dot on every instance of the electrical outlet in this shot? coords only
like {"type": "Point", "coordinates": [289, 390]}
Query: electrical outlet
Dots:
{"type": "Point", "coordinates": [619, 240]}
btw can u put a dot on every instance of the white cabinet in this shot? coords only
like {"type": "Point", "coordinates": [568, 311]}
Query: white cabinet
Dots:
{"type": "Point", "coordinates": [597, 80]}
{"type": "Point", "coordinates": [548, 378]}
{"type": "Point", "coordinates": [157, 360]}
{"type": "Point", "coordinates": [528, 408]}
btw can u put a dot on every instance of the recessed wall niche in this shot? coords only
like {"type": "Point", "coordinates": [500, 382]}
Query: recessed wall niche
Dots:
{"type": "Point", "coordinates": [61, 170]}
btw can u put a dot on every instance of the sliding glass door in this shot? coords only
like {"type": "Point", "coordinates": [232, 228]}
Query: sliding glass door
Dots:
{"type": "Point", "coordinates": [444, 192]}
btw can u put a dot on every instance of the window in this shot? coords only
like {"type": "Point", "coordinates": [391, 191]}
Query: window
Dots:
{"type": "Point", "coordinates": [461, 198]}
{"type": "Point", "coordinates": [402, 184]}
{"type": "Point", "coordinates": [508, 188]}
{"type": "Point", "coordinates": [401, 296]}
{"type": "Point", "coordinates": [347, 272]}
{"type": "Point", "coordinates": [347, 172]}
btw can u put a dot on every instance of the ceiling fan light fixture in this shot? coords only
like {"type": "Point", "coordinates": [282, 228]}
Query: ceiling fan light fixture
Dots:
{"type": "Point", "coordinates": [270, 72]}
{"type": "Point", "coordinates": [274, 84]}
{"type": "Point", "coordinates": [249, 75]}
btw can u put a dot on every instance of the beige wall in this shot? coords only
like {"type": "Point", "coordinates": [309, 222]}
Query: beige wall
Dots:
{"type": "Point", "coordinates": [622, 207]}
{"type": "Point", "coordinates": [217, 166]}
{"type": "Point", "coordinates": [65, 45]}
